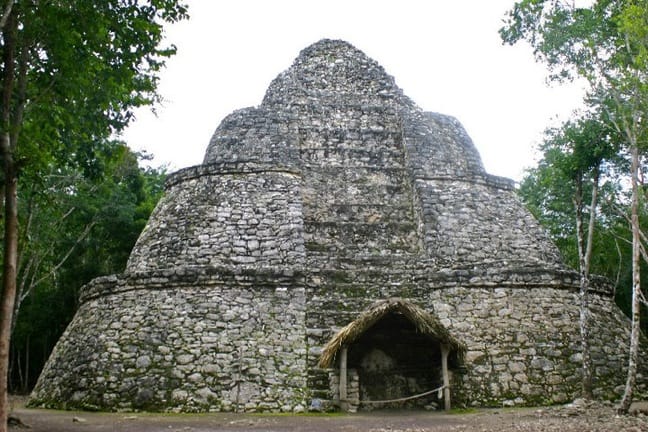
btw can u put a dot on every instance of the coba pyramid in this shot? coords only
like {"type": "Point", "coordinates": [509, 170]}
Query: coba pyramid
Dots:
{"type": "Point", "coordinates": [337, 247]}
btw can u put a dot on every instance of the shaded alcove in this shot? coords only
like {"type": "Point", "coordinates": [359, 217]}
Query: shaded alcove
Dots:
{"type": "Point", "coordinates": [397, 350]}
{"type": "Point", "coordinates": [394, 361]}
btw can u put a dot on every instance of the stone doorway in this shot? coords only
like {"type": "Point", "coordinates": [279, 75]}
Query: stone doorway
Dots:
{"type": "Point", "coordinates": [397, 351]}
{"type": "Point", "coordinates": [394, 361]}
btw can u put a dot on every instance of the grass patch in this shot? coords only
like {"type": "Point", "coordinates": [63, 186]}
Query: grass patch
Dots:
{"type": "Point", "coordinates": [461, 411]}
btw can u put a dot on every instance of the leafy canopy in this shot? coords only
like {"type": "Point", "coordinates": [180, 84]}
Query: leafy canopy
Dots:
{"type": "Point", "coordinates": [83, 67]}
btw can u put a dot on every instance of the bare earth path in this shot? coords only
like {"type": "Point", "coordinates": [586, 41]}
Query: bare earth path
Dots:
{"type": "Point", "coordinates": [595, 418]}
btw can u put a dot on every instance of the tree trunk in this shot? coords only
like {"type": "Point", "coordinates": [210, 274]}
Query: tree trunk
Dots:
{"type": "Point", "coordinates": [9, 274]}
{"type": "Point", "coordinates": [10, 261]}
{"type": "Point", "coordinates": [634, 335]}
{"type": "Point", "coordinates": [25, 387]}
{"type": "Point", "coordinates": [585, 257]}
{"type": "Point", "coordinates": [6, 13]}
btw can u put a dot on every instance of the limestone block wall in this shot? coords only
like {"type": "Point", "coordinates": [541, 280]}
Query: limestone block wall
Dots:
{"type": "Point", "coordinates": [455, 212]}
{"type": "Point", "coordinates": [524, 345]}
{"type": "Point", "coordinates": [218, 347]}
{"type": "Point", "coordinates": [350, 135]}
{"type": "Point", "coordinates": [255, 134]}
{"type": "Point", "coordinates": [333, 68]}
{"type": "Point", "coordinates": [438, 146]}
{"type": "Point", "coordinates": [352, 213]}
{"type": "Point", "coordinates": [521, 333]}
{"type": "Point", "coordinates": [224, 214]}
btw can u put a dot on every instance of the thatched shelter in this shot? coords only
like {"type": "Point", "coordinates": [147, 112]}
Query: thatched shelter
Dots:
{"type": "Point", "coordinates": [425, 324]}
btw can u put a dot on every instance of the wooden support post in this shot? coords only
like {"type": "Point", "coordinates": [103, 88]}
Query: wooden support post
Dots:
{"type": "Point", "coordinates": [446, 377]}
{"type": "Point", "coordinates": [344, 404]}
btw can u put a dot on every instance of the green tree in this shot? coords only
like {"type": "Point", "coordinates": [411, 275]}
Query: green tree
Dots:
{"type": "Point", "coordinates": [549, 195]}
{"type": "Point", "coordinates": [575, 158]}
{"type": "Point", "coordinates": [75, 226]}
{"type": "Point", "coordinates": [71, 74]}
{"type": "Point", "coordinates": [607, 45]}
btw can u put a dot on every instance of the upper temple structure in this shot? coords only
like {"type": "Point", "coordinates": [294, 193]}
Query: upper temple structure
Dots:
{"type": "Point", "coordinates": [337, 247]}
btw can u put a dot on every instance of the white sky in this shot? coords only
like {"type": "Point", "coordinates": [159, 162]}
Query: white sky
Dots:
{"type": "Point", "coordinates": [445, 54]}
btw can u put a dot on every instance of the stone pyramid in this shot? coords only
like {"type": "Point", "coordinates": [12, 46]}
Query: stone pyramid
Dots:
{"type": "Point", "coordinates": [335, 194]}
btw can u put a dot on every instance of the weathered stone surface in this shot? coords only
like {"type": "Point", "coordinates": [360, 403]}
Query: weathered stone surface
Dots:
{"type": "Point", "coordinates": [335, 192]}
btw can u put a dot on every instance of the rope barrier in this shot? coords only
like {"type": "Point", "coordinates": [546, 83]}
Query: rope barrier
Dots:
{"type": "Point", "coordinates": [405, 398]}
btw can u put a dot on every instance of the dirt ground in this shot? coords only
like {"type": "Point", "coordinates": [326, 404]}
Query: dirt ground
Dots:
{"type": "Point", "coordinates": [576, 417]}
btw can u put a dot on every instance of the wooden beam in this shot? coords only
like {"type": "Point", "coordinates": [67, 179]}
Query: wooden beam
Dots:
{"type": "Point", "coordinates": [446, 377]}
{"type": "Point", "coordinates": [344, 404]}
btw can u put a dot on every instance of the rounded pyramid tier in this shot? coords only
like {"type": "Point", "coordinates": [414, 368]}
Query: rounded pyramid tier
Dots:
{"type": "Point", "coordinates": [224, 215]}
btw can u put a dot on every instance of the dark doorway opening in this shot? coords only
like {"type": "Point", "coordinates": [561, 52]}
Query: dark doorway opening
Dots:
{"type": "Point", "coordinates": [395, 361]}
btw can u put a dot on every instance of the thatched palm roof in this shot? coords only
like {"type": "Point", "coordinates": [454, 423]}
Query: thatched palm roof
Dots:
{"type": "Point", "coordinates": [424, 322]}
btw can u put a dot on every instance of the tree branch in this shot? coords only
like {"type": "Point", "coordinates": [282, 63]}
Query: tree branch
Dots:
{"type": "Point", "coordinates": [618, 273]}
{"type": "Point", "coordinates": [54, 269]}
{"type": "Point", "coordinates": [5, 14]}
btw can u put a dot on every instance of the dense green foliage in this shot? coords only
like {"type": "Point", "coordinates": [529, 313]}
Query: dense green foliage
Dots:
{"type": "Point", "coordinates": [71, 74]}
{"type": "Point", "coordinates": [79, 70]}
{"type": "Point", "coordinates": [548, 191]}
{"type": "Point", "coordinates": [576, 157]}
{"type": "Point", "coordinates": [75, 226]}
{"type": "Point", "coordinates": [605, 44]}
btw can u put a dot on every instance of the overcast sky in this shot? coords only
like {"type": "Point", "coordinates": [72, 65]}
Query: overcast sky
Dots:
{"type": "Point", "coordinates": [446, 55]}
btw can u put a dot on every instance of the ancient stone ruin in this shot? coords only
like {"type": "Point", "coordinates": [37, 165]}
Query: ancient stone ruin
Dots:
{"type": "Point", "coordinates": [338, 247]}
